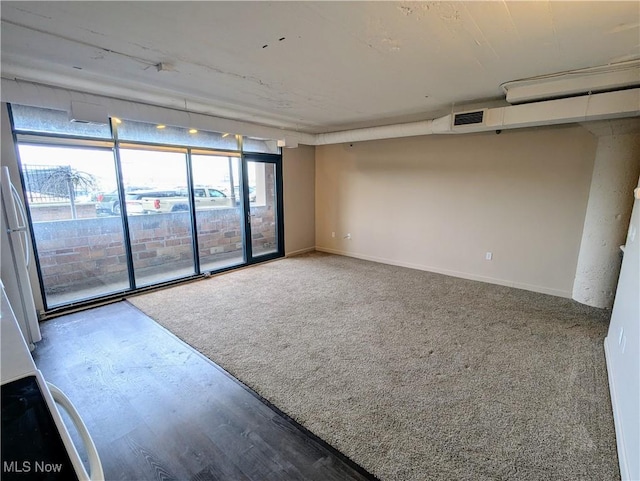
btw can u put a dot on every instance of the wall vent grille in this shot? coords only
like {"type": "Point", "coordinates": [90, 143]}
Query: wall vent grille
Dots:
{"type": "Point", "coordinates": [469, 118]}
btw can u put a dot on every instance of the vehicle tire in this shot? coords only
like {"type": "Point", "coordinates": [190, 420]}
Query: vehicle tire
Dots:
{"type": "Point", "coordinates": [116, 208]}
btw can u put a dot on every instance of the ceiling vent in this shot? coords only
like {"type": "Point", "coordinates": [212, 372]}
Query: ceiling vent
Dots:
{"type": "Point", "coordinates": [469, 119]}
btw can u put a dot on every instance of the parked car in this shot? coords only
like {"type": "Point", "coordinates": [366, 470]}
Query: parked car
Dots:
{"type": "Point", "coordinates": [204, 197]}
{"type": "Point", "coordinates": [252, 193]}
{"type": "Point", "coordinates": [108, 203]}
{"type": "Point", "coordinates": [236, 191]}
{"type": "Point", "coordinates": [138, 202]}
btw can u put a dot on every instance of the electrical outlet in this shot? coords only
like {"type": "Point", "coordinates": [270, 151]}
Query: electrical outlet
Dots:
{"type": "Point", "coordinates": [333, 234]}
{"type": "Point", "coordinates": [488, 256]}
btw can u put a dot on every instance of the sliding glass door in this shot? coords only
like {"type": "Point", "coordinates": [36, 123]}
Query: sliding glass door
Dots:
{"type": "Point", "coordinates": [264, 184]}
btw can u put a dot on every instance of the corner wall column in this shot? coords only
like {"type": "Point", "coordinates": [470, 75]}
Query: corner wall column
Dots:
{"type": "Point", "coordinates": [615, 174]}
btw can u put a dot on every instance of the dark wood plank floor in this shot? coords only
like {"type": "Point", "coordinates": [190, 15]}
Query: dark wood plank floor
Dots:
{"type": "Point", "coordinates": [157, 409]}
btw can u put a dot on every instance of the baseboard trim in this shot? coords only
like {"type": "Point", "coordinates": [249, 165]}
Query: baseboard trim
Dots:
{"type": "Point", "coordinates": [622, 452]}
{"type": "Point", "coordinates": [300, 252]}
{"type": "Point", "coordinates": [447, 272]}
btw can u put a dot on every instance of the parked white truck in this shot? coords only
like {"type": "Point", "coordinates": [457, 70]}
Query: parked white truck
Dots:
{"type": "Point", "coordinates": [204, 197]}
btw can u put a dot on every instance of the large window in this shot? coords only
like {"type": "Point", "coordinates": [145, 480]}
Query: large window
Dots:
{"type": "Point", "coordinates": [158, 214]}
{"type": "Point", "coordinates": [219, 210]}
{"type": "Point", "coordinates": [119, 207]}
{"type": "Point", "coordinates": [80, 254]}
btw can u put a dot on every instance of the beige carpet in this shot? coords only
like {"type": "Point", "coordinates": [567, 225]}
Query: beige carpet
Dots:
{"type": "Point", "coordinates": [413, 375]}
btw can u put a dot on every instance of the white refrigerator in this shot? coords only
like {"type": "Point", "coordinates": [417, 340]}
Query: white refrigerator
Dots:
{"type": "Point", "coordinates": [16, 254]}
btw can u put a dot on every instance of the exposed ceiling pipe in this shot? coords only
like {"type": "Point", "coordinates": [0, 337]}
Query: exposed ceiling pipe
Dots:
{"type": "Point", "coordinates": [586, 108]}
{"type": "Point", "coordinates": [604, 78]}
{"type": "Point", "coordinates": [425, 127]}
{"type": "Point", "coordinates": [609, 105]}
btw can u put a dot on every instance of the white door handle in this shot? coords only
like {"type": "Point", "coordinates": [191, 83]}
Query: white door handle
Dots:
{"type": "Point", "coordinates": [20, 209]}
{"type": "Point", "coordinates": [95, 466]}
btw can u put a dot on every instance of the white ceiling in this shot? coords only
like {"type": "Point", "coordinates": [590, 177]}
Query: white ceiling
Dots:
{"type": "Point", "coordinates": [311, 66]}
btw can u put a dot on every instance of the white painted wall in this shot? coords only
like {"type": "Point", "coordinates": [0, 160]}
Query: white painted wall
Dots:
{"type": "Point", "coordinates": [622, 347]}
{"type": "Point", "coordinates": [439, 203]}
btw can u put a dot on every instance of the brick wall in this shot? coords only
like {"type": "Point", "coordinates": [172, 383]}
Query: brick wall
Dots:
{"type": "Point", "coordinates": [84, 253]}
{"type": "Point", "coordinates": [79, 251]}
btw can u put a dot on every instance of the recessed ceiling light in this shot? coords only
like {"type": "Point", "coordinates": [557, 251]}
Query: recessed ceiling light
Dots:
{"type": "Point", "coordinates": [225, 135]}
{"type": "Point", "coordinates": [160, 126]}
{"type": "Point", "coordinates": [193, 131]}
{"type": "Point", "coordinates": [117, 120]}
